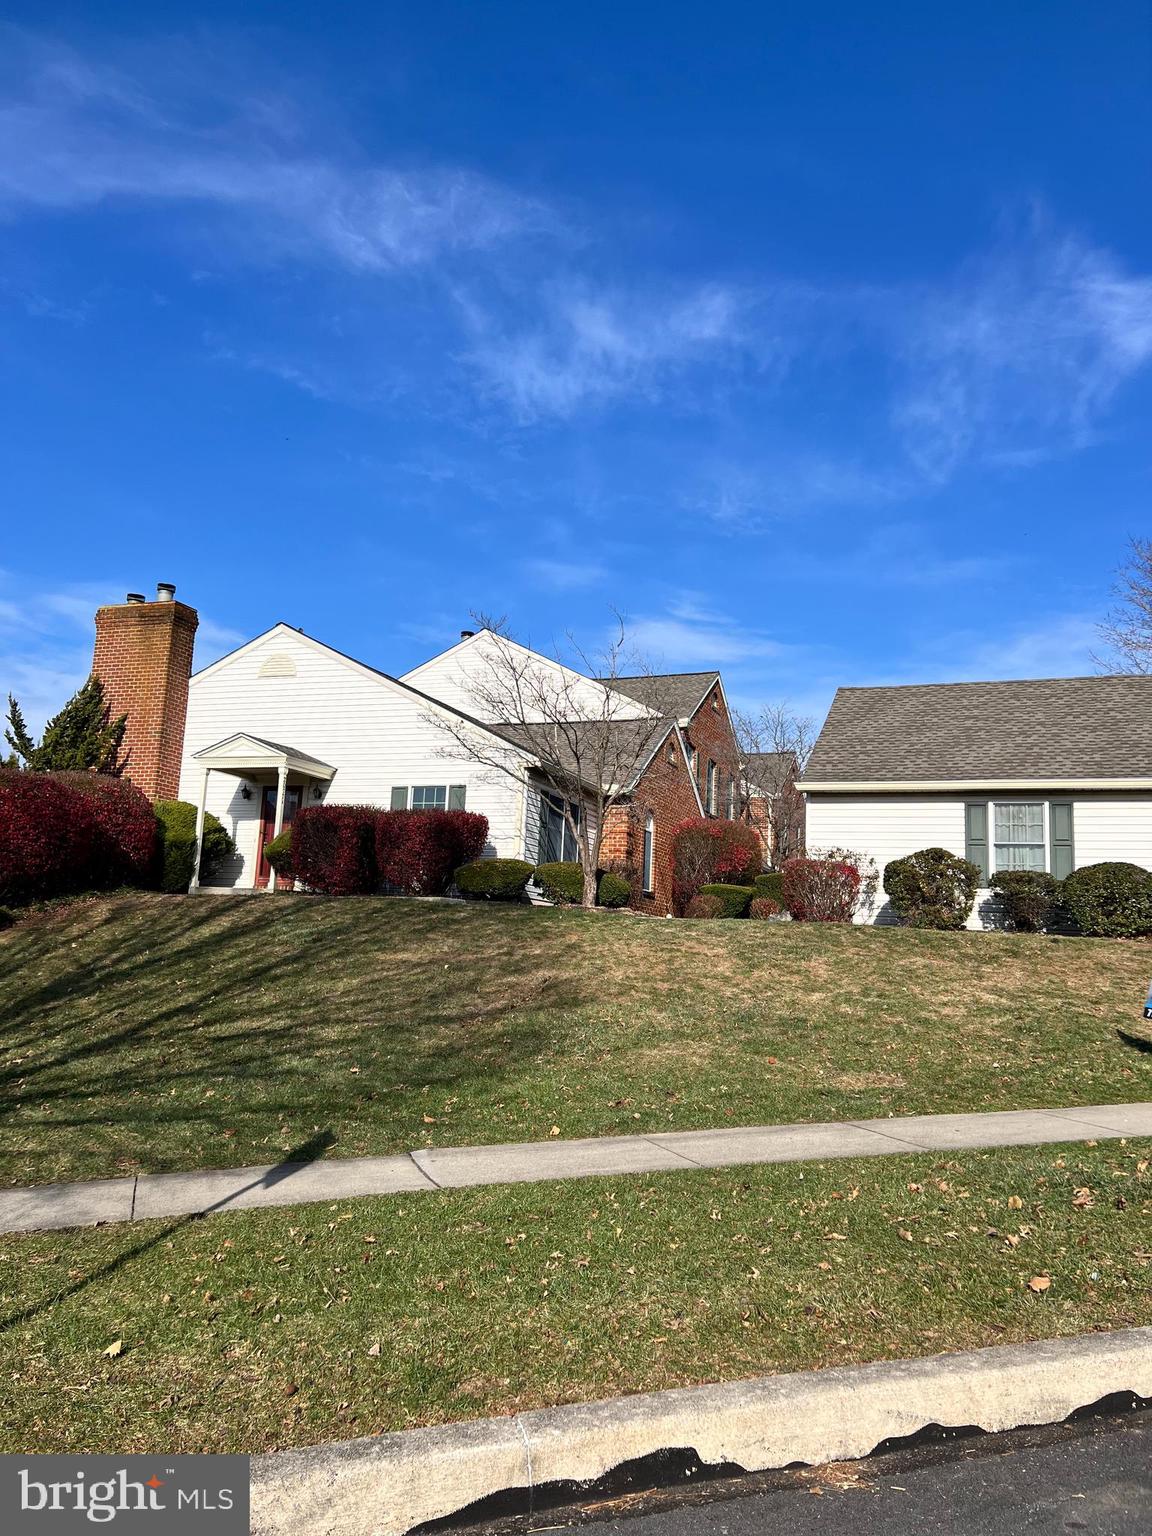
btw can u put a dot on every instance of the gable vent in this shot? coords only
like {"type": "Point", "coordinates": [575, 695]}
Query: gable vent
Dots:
{"type": "Point", "coordinates": [277, 665]}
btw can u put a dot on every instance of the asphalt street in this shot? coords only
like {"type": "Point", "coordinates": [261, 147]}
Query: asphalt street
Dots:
{"type": "Point", "coordinates": [1093, 1477]}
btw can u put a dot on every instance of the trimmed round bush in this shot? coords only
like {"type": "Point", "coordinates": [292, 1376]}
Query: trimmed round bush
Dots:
{"type": "Point", "coordinates": [771, 886]}
{"type": "Point", "coordinates": [126, 841]}
{"type": "Point", "coordinates": [702, 906]}
{"type": "Point", "coordinates": [734, 899]}
{"type": "Point", "coordinates": [1110, 901]}
{"type": "Point", "coordinates": [562, 883]}
{"type": "Point", "coordinates": [334, 849]}
{"type": "Point", "coordinates": [494, 879]}
{"type": "Point", "coordinates": [1028, 896]}
{"type": "Point", "coordinates": [932, 888]}
{"type": "Point", "coordinates": [763, 907]}
{"type": "Point", "coordinates": [177, 831]}
{"type": "Point", "coordinates": [707, 850]}
{"type": "Point", "coordinates": [279, 853]}
{"type": "Point", "coordinates": [614, 890]}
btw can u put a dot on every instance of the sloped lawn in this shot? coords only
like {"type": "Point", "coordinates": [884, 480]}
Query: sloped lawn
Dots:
{"type": "Point", "coordinates": [155, 1033]}
{"type": "Point", "coordinates": [255, 1329]}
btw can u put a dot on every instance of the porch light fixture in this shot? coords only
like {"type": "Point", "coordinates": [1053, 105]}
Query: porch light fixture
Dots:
{"type": "Point", "coordinates": [316, 792]}
{"type": "Point", "coordinates": [245, 791]}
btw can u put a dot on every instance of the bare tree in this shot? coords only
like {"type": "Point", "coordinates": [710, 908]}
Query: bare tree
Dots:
{"type": "Point", "coordinates": [1127, 631]}
{"type": "Point", "coordinates": [776, 743]}
{"type": "Point", "coordinates": [584, 742]}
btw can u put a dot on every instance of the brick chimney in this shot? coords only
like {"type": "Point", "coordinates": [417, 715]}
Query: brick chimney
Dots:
{"type": "Point", "coordinates": [143, 658]}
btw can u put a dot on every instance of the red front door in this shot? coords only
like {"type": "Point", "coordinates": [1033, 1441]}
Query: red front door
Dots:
{"type": "Point", "coordinates": [268, 828]}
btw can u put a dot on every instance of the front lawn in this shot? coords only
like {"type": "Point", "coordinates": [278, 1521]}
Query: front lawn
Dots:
{"type": "Point", "coordinates": [250, 1330]}
{"type": "Point", "coordinates": [153, 1033]}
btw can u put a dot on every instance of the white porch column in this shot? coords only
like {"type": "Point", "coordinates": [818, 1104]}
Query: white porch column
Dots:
{"type": "Point", "coordinates": [201, 804]}
{"type": "Point", "coordinates": [278, 824]}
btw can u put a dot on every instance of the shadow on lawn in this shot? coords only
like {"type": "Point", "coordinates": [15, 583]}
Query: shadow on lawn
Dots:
{"type": "Point", "coordinates": [299, 1157]}
{"type": "Point", "coordinates": [117, 1012]}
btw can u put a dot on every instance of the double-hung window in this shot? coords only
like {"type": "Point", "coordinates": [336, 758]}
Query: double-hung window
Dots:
{"type": "Point", "coordinates": [1018, 834]}
{"type": "Point", "coordinates": [647, 871]}
{"type": "Point", "coordinates": [557, 843]}
{"type": "Point", "coordinates": [429, 797]}
{"type": "Point", "coordinates": [710, 789]}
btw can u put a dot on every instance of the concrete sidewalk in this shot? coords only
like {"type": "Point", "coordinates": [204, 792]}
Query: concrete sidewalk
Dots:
{"type": "Point", "coordinates": [49, 1206]}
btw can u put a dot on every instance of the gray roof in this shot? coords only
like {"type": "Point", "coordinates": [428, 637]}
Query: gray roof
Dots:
{"type": "Point", "coordinates": [767, 770]}
{"type": "Point", "coordinates": [616, 749]}
{"type": "Point", "coordinates": [672, 693]}
{"type": "Point", "coordinates": [1062, 728]}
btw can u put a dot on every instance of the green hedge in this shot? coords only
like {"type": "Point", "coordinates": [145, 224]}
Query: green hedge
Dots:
{"type": "Point", "coordinates": [771, 886]}
{"type": "Point", "coordinates": [564, 884]}
{"type": "Point", "coordinates": [177, 819]}
{"type": "Point", "coordinates": [613, 890]}
{"type": "Point", "coordinates": [1028, 896]}
{"type": "Point", "coordinates": [279, 853]}
{"type": "Point", "coordinates": [494, 879]}
{"type": "Point", "coordinates": [1110, 901]}
{"type": "Point", "coordinates": [932, 888]}
{"type": "Point", "coordinates": [734, 899]}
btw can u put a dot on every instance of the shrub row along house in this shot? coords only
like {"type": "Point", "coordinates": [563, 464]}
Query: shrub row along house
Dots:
{"type": "Point", "coordinates": [1049, 775]}
{"type": "Point", "coordinates": [564, 765]}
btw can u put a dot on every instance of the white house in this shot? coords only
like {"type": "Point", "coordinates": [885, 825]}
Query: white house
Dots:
{"type": "Point", "coordinates": [1047, 774]}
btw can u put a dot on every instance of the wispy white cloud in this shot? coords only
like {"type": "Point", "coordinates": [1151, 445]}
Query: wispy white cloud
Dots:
{"type": "Point", "coordinates": [565, 575]}
{"type": "Point", "coordinates": [1020, 357]}
{"type": "Point", "coordinates": [692, 635]}
{"type": "Point", "coordinates": [75, 134]}
{"type": "Point", "coordinates": [587, 346]}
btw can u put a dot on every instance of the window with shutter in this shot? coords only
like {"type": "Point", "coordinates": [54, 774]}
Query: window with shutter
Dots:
{"type": "Point", "coordinates": [976, 837]}
{"type": "Point", "coordinates": [1063, 853]}
{"type": "Point", "coordinates": [400, 797]}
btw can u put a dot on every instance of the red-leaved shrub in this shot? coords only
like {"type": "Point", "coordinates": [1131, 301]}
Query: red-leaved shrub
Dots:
{"type": "Point", "coordinates": [821, 890]}
{"type": "Point", "coordinates": [126, 839]}
{"type": "Point", "coordinates": [702, 906]}
{"type": "Point", "coordinates": [418, 852]}
{"type": "Point", "coordinates": [334, 849]}
{"type": "Point", "coordinates": [763, 907]}
{"type": "Point", "coordinates": [63, 833]}
{"type": "Point", "coordinates": [709, 851]}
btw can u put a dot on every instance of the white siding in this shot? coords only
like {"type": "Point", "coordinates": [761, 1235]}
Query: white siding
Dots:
{"type": "Point", "coordinates": [1120, 828]}
{"type": "Point", "coordinates": [884, 827]}
{"type": "Point", "coordinates": [891, 826]}
{"type": "Point", "coordinates": [372, 732]}
{"type": "Point", "coordinates": [455, 676]}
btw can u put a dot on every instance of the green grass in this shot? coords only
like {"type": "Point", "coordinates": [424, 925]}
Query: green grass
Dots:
{"type": "Point", "coordinates": [253, 1330]}
{"type": "Point", "coordinates": [156, 1033]}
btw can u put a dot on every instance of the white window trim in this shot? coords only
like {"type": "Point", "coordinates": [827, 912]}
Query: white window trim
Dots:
{"type": "Point", "coordinates": [1044, 828]}
{"type": "Point", "coordinates": [412, 788]}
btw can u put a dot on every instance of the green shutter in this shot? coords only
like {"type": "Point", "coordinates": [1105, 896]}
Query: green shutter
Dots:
{"type": "Point", "coordinates": [1063, 859]}
{"type": "Point", "coordinates": [400, 797]}
{"type": "Point", "coordinates": [976, 837]}
{"type": "Point", "coordinates": [456, 796]}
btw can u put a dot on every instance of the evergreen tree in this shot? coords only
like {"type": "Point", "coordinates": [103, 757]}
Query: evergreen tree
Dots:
{"type": "Point", "coordinates": [81, 737]}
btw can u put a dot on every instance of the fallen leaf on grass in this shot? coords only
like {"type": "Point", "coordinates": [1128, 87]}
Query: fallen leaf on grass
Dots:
{"type": "Point", "coordinates": [1015, 1203]}
{"type": "Point", "coordinates": [115, 1348]}
{"type": "Point", "coordinates": [1082, 1199]}
{"type": "Point", "coordinates": [429, 1119]}
{"type": "Point", "coordinates": [374, 1349]}
{"type": "Point", "coordinates": [555, 1131]}
{"type": "Point", "coordinates": [1039, 1283]}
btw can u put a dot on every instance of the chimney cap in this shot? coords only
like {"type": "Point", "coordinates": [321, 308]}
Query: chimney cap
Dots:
{"type": "Point", "coordinates": [165, 591]}
{"type": "Point", "coordinates": [466, 634]}
{"type": "Point", "coordinates": [135, 597]}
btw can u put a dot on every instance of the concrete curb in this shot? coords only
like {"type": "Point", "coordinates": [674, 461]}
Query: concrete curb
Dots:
{"type": "Point", "coordinates": [387, 1485]}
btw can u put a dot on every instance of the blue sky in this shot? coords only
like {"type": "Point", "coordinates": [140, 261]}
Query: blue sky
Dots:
{"type": "Point", "coordinates": [816, 338]}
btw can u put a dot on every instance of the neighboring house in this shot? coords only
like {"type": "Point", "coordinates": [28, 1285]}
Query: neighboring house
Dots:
{"type": "Point", "coordinates": [286, 721]}
{"type": "Point", "coordinates": [1049, 774]}
{"type": "Point", "coordinates": [775, 807]}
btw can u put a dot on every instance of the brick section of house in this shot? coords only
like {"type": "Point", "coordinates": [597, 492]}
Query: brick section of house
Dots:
{"type": "Point", "coordinates": [143, 658]}
{"type": "Point", "coordinates": [710, 732]}
{"type": "Point", "coordinates": [664, 791]}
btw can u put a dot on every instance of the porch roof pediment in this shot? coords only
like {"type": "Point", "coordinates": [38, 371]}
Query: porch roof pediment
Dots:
{"type": "Point", "coordinates": [244, 753]}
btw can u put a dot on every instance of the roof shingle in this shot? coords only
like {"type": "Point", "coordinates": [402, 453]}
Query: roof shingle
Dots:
{"type": "Point", "coordinates": [675, 694]}
{"type": "Point", "coordinates": [1048, 728]}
